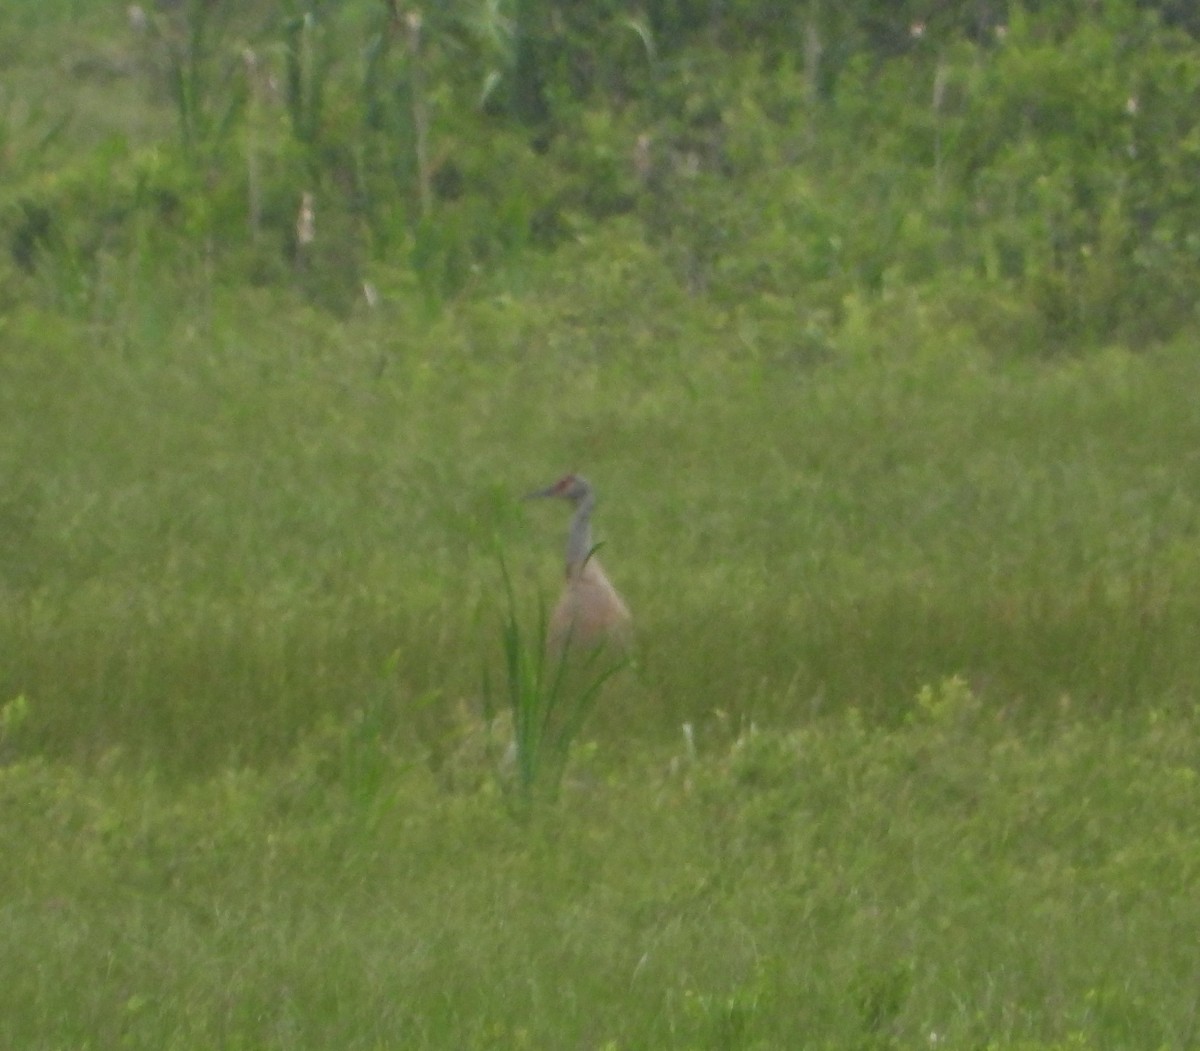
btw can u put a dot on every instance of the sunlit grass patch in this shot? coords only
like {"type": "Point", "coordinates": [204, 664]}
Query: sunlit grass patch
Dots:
{"type": "Point", "coordinates": [223, 541]}
{"type": "Point", "coordinates": [835, 885]}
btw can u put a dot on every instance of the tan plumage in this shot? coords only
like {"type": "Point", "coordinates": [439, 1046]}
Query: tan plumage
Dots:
{"type": "Point", "coordinates": [589, 613]}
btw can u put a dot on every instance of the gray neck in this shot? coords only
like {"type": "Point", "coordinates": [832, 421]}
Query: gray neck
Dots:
{"type": "Point", "coordinates": [579, 539]}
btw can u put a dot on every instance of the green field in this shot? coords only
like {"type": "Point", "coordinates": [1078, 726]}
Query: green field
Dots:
{"type": "Point", "coordinates": [908, 753]}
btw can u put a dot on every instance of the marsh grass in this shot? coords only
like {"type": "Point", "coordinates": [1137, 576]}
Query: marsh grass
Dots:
{"type": "Point", "coordinates": [956, 882]}
{"type": "Point", "coordinates": [924, 597]}
{"type": "Point", "coordinates": [548, 694]}
{"type": "Point", "coordinates": [217, 534]}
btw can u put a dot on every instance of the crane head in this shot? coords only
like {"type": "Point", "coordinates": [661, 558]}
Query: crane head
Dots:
{"type": "Point", "coordinates": [571, 487]}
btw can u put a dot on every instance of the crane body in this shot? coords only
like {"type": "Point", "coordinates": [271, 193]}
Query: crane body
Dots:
{"type": "Point", "coordinates": [590, 613]}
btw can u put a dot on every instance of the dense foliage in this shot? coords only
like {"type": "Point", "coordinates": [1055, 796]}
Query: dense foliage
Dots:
{"type": "Point", "coordinates": [1031, 168]}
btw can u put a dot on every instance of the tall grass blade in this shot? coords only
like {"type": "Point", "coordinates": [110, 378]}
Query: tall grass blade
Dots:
{"type": "Point", "coordinates": [548, 695]}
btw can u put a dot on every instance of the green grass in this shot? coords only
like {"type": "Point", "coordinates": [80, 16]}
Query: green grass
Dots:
{"type": "Point", "coordinates": [952, 883]}
{"type": "Point", "coordinates": [247, 515]}
{"type": "Point", "coordinates": [251, 591]}
{"type": "Point", "coordinates": [907, 755]}
{"type": "Point", "coordinates": [543, 702]}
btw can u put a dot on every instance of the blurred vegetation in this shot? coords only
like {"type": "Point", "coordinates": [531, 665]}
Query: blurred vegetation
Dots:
{"type": "Point", "coordinates": [874, 324]}
{"type": "Point", "coordinates": [951, 883]}
{"type": "Point", "coordinates": [290, 288]}
{"type": "Point", "coordinates": [1032, 165]}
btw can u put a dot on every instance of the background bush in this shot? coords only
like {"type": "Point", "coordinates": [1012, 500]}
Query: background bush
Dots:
{"type": "Point", "coordinates": [1043, 157]}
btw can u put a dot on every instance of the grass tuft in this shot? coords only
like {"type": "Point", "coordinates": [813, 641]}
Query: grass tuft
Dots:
{"type": "Point", "coordinates": [548, 693]}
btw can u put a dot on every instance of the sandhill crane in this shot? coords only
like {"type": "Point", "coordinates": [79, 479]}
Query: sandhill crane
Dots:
{"type": "Point", "coordinates": [590, 613]}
